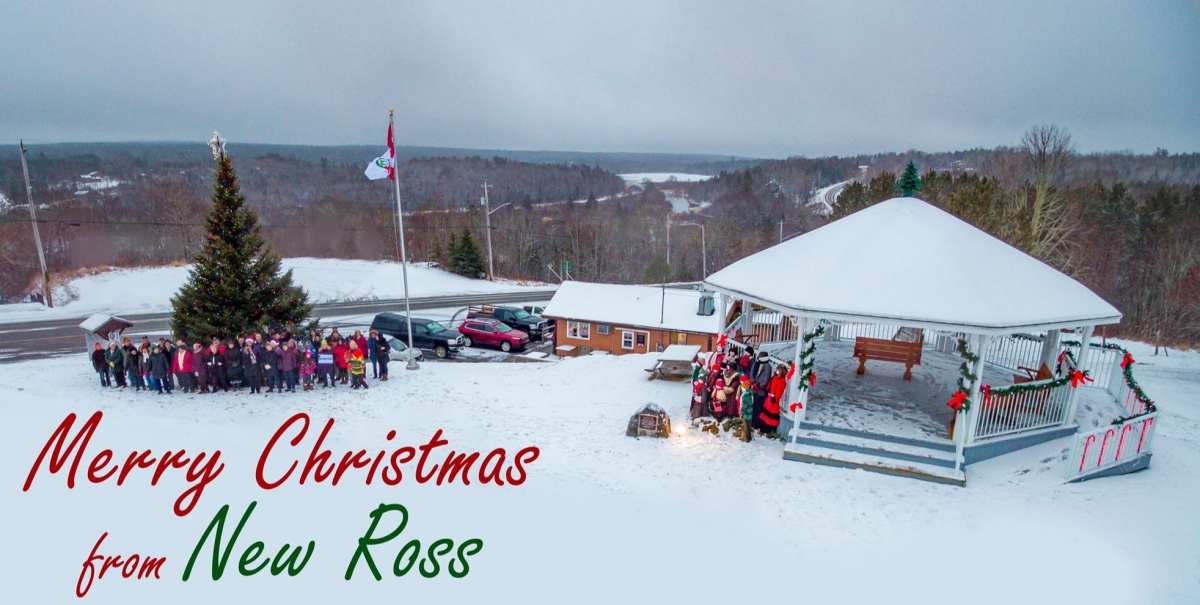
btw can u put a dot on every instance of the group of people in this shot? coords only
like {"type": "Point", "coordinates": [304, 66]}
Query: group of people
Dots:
{"type": "Point", "coordinates": [279, 362]}
{"type": "Point", "coordinates": [727, 385]}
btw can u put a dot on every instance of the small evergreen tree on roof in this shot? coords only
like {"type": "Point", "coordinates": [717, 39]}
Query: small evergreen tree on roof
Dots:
{"type": "Point", "coordinates": [910, 182]}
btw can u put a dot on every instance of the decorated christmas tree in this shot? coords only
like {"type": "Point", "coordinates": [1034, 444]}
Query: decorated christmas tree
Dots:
{"type": "Point", "coordinates": [910, 182]}
{"type": "Point", "coordinates": [235, 285]}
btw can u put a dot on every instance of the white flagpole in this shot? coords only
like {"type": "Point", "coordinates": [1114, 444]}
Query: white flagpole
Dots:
{"type": "Point", "coordinates": [412, 357]}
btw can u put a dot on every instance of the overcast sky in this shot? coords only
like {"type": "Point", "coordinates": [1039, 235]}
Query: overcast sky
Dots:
{"type": "Point", "coordinates": [744, 78]}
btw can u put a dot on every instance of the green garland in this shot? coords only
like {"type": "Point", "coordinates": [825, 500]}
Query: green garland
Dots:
{"type": "Point", "coordinates": [808, 357]}
{"type": "Point", "coordinates": [1127, 371]}
{"type": "Point", "coordinates": [966, 378]}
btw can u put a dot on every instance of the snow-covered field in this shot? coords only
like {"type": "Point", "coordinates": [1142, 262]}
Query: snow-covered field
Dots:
{"type": "Point", "coordinates": [132, 291]}
{"type": "Point", "coordinates": [663, 177]}
{"type": "Point", "coordinates": [602, 518]}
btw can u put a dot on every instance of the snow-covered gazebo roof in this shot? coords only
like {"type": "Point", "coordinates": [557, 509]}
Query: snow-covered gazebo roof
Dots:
{"type": "Point", "coordinates": [907, 262]}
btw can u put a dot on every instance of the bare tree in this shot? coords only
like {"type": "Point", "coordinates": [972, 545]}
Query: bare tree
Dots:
{"type": "Point", "coordinates": [1048, 152]}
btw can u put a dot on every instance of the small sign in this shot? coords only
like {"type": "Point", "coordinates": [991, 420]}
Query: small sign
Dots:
{"type": "Point", "coordinates": [648, 422]}
{"type": "Point", "coordinates": [565, 265]}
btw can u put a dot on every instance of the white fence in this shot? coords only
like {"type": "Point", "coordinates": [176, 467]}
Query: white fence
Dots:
{"type": "Point", "coordinates": [1023, 411]}
{"type": "Point", "coordinates": [1110, 446]}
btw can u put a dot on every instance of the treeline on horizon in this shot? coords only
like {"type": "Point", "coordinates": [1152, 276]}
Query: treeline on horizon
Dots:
{"type": "Point", "coordinates": [1121, 222]}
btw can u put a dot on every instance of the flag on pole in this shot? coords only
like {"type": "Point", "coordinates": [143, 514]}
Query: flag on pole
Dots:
{"type": "Point", "coordinates": [383, 166]}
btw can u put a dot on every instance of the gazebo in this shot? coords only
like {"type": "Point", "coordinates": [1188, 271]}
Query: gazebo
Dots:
{"type": "Point", "coordinates": [908, 282]}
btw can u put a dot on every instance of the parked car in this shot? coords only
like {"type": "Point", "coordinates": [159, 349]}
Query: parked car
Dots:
{"type": "Point", "coordinates": [491, 332]}
{"type": "Point", "coordinates": [400, 350]}
{"type": "Point", "coordinates": [514, 317]}
{"type": "Point", "coordinates": [427, 333]}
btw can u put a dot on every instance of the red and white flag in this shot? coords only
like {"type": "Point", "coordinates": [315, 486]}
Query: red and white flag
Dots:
{"type": "Point", "coordinates": [384, 166]}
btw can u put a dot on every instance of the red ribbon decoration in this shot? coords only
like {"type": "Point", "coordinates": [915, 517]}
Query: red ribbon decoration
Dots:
{"type": "Point", "coordinates": [812, 379]}
{"type": "Point", "coordinates": [1127, 360]}
{"type": "Point", "coordinates": [791, 371]}
{"type": "Point", "coordinates": [956, 402]}
{"type": "Point", "coordinates": [987, 394]}
{"type": "Point", "coordinates": [1078, 377]}
{"type": "Point", "coordinates": [721, 341]}
{"type": "Point", "coordinates": [1061, 355]}
{"type": "Point", "coordinates": [796, 406]}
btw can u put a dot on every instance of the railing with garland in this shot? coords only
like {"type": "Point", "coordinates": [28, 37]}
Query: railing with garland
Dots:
{"type": "Point", "coordinates": [1019, 407]}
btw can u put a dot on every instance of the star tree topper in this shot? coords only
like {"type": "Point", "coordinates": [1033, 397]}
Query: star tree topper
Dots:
{"type": "Point", "coordinates": [217, 144]}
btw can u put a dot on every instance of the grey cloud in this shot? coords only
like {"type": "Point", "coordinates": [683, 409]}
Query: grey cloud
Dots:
{"type": "Point", "coordinates": [746, 78]}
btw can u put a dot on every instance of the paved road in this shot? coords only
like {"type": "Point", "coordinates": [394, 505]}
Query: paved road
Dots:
{"type": "Point", "coordinates": [831, 194]}
{"type": "Point", "coordinates": [36, 340]}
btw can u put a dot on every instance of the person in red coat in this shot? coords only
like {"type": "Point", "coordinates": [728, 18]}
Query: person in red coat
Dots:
{"type": "Point", "coordinates": [339, 359]}
{"type": "Point", "coordinates": [182, 367]}
{"type": "Point", "coordinates": [360, 341]}
{"type": "Point", "coordinates": [776, 387]}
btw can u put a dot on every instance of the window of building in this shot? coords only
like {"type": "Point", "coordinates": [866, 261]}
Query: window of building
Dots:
{"type": "Point", "coordinates": [579, 329]}
{"type": "Point", "coordinates": [603, 329]}
{"type": "Point", "coordinates": [627, 340]}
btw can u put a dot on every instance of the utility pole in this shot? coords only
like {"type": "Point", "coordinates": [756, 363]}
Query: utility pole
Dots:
{"type": "Point", "coordinates": [703, 247]}
{"type": "Point", "coordinates": [668, 240]}
{"type": "Point", "coordinates": [781, 231]}
{"type": "Point", "coordinates": [37, 235]}
{"type": "Point", "coordinates": [487, 208]}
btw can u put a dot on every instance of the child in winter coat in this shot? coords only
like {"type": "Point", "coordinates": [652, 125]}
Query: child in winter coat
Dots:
{"type": "Point", "coordinates": [358, 366]}
{"type": "Point", "coordinates": [340, 350]}
{"type": "Point", "coordinates": [308, 367]}
{"type": "Point", "coordinates": [270, 360]}
{"type": "Point", "coordinates": [325, 366]}
{"type": "Point", "coordinates": [746, 399]}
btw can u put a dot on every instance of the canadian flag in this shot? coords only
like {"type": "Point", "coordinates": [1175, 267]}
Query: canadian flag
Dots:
{"type": "Point", "coordinates": [383, 166]}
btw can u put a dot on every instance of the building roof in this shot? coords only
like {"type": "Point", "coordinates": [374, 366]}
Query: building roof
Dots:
{"type": "Point", "coordinates": [641, 306]}
{"type": "Point", "coordinates": [905, 261]}
{"type": "Point", "coordinates": [102, 324]}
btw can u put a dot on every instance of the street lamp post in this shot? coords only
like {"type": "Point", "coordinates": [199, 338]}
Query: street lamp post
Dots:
{"type": "Point", "coordinates": [703, 247]}
{"type": "Point", "coordinates": [487, 208]}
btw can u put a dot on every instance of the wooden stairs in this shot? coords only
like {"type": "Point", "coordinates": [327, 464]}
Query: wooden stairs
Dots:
{"type": "Point", "coordinates": [875, 452]}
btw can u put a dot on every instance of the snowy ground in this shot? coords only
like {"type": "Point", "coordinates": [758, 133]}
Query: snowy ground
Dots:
{"type": "Point", "coordinates": [663, 177]}
{"type": "Point", "coordinates": [149, 290]}
{"type": "Point", "coordinates": [603, 518]}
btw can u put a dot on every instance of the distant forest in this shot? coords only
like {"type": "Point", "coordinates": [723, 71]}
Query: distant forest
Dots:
{"type": "Point", "coordinates": [1121, 222]}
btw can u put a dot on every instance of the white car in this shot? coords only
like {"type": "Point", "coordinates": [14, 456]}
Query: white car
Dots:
{"type": "Point", "coordinates": [400, 350]}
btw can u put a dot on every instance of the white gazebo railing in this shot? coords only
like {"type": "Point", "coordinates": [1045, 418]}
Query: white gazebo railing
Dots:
{"type": "Point", "coordinates": [1025, 410]}
{"type": "Point", "coordinates": [1110, 446]}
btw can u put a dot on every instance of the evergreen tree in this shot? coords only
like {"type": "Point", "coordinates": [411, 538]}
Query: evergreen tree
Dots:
{"type": "Point", "coordinates": [590, 204]}
{"type": "Point", "coordinates": [465, 257]}
{"type": "Point", "coordinates": [910, 182]}
{"type": "Point", "coordinates": [235, 285]}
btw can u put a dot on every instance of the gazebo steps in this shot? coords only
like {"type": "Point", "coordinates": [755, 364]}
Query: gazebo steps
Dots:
{"type": "Point", "coordinates": [901, 460]}
{"type": "Point", "coordinates": [913, 470]}
{"type": "Point", "coordinates": [945, 446]}
{"type": "Point", "coordinates": [880, 449]}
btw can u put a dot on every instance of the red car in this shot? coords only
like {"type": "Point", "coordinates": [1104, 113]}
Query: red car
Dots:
{"type": "Point", "coordinates": [481, 331]}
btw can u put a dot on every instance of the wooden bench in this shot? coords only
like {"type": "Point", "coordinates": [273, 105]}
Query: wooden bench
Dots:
{"type": "Point", "coordinates": [898, 351]}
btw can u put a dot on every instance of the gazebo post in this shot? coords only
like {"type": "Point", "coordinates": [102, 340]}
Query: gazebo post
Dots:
{"type": "Point", "coordinates": [979, 344]}
{"type": "Point", "coordinates": [1050, 347]}
{"type": "Point", "coordinates": [747, 320]}
{"type": "Point", "coordinates": [1085, 341]}
{"type": "Point", "coordinates": [798, 394]}
{"type": "Point", "coordinates": [723, 309]}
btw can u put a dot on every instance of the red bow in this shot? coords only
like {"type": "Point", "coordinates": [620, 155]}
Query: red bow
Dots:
{"type": "Point", "coordinates": [721, 341]}
{"type": "Point", "coordinates": [791, 371]}
{"type": "Point", "coordinates": [796, 406]}
{"type": "Point", "coordinates": [1061, 355]}
{"type": "Point", "coordinates": [956, 402]}
{"type": "Point", "coordinates": [812, 379]}
{"type": "Point", "coordinates": [1078, 377]}
{"type": "Point", "coordinates": [987, 393]}
{"type": "Point", "coordinates": [1127, 361]}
